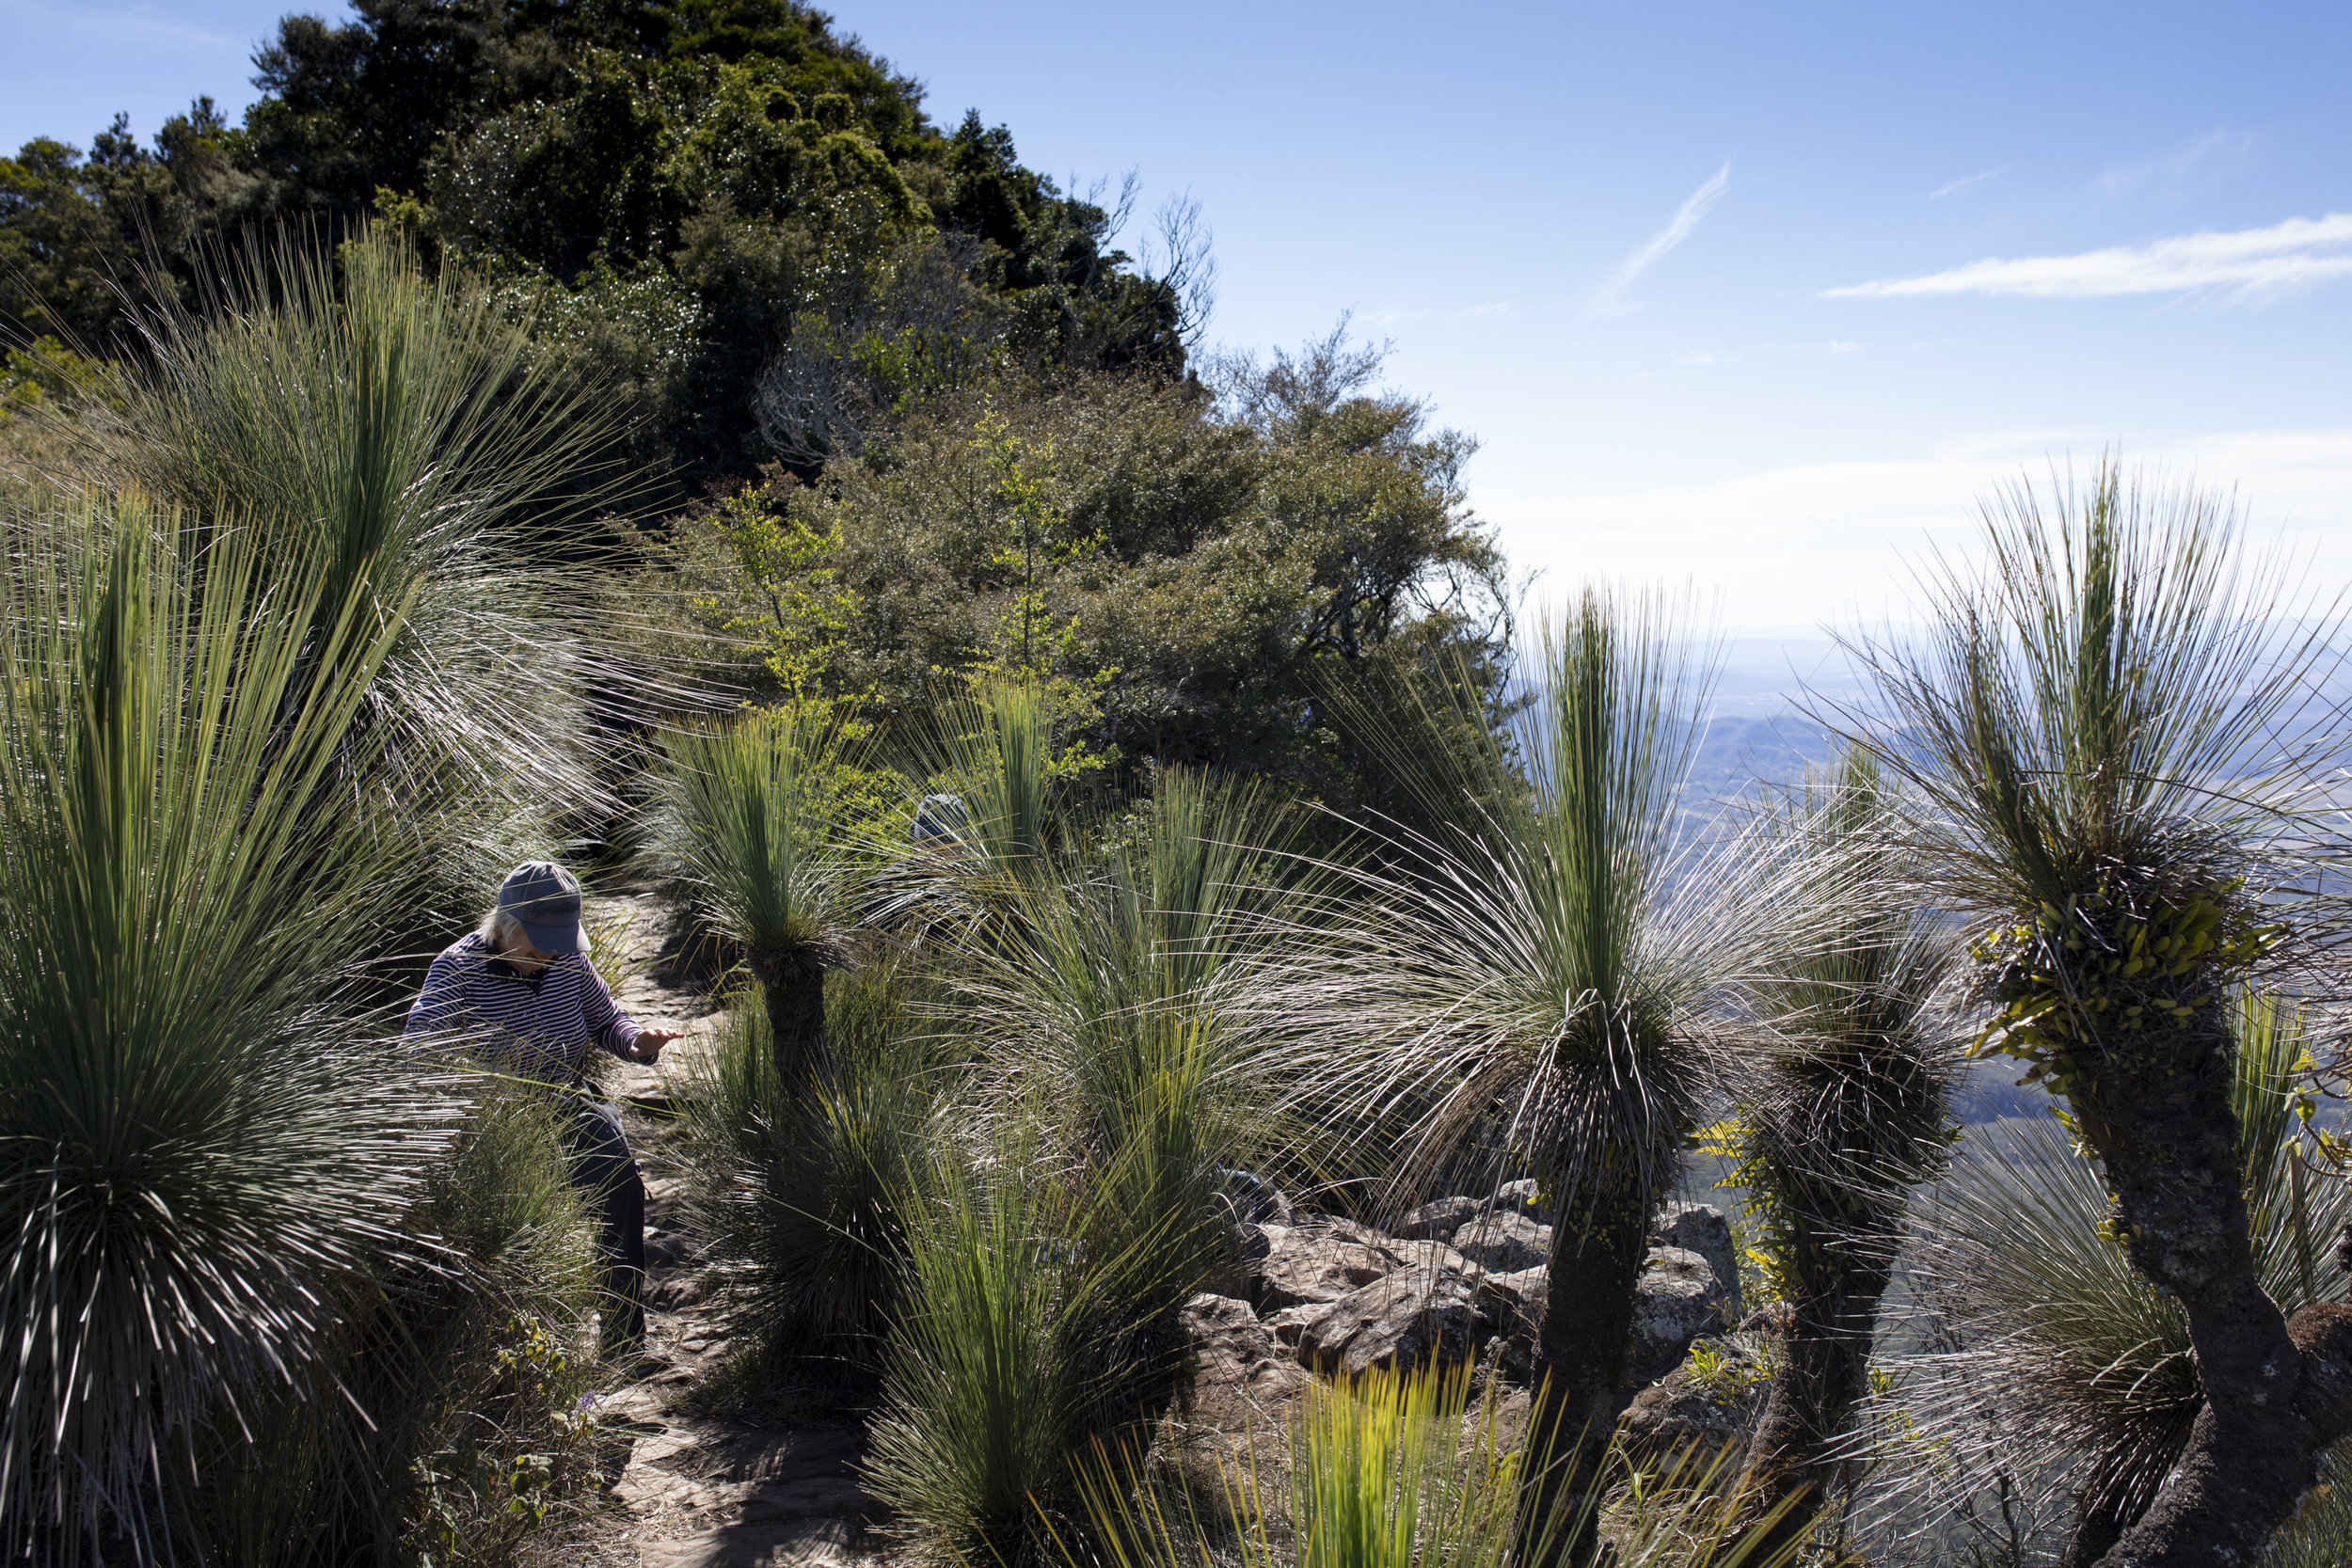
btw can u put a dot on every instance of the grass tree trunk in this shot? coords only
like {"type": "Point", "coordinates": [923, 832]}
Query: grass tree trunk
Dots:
{"type": "Point", "coordinates": [2276, 1393]}
{"type": "Point", "coordinates": [1583, 1362]}
{"type": "Point", "coordinates": [1821, 1373]}
{"type": "Point", "coordinates": [2099, 1523]}
{"type": "Point", "coordinates": [792, 984]}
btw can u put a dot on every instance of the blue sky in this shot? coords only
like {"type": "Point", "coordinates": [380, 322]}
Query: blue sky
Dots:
{"type": "Point", "coordinates": [1753, 299]}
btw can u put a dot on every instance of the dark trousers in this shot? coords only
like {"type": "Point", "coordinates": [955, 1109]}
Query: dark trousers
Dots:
{"type": "Point", "coordinates": [605, 1174]}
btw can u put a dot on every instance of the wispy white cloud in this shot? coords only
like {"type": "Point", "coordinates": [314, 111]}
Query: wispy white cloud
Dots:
{"type": "Point", "coordinates": [2247, 263]}
{"type": "Point", "coordinates": [2173, 168]}
{"type": "Point", "coordinates": [1706, 356]}
{"type": "Point", "coordinates": [1492, 307]}
{"type": "Point", "coordinates": [1610, 301]}
{"type": "Point", "coordinates": [1844, 345]}
{"type": "Point", "coordinates": [1965, 181]}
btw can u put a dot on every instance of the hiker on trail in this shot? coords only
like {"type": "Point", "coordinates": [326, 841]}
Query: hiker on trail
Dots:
{"type": "Point", "coordinates": [522, 992]}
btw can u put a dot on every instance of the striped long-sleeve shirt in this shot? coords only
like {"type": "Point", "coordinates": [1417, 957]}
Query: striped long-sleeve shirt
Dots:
{"type": "Point", "coordinates": [541, 1024]}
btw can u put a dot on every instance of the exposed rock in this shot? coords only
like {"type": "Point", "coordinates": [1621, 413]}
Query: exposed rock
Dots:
{"type": "Point", "coordinates": [1405, 1319]}
{"type": "Point", "coordinates": [1503, 1241]}
{"type": "Point", "coordinates": [728, 1494]}
{"type": "Point", "coordinates": [1679, 1297]}
{"type": "Point", "coordinates": [1230, 1346]}
{"type": "Point", "coordinates": [1701, 1228]}
{"type": "Point", "coordinates": [1519, 1197]}
{"type": "Point", "coordinates": [1683, 1413]}
{"type": "Point", "coordinates": [1517, 1292]}
{"type": "Point", "coordinates": [1291, 1323]}
{"type": "Point", "coordinates": [1438, 1219]}
{"type": "Point", "coordinates": [1318, 1263]}
{"type": "Point", "coordinates": [1226, 1337]}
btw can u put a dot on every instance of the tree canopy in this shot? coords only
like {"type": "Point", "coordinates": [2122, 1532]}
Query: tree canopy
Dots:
{"type": "Point", "coordinates": [679, 188]}
{"type": "Point", "coordinates": [897, 407]}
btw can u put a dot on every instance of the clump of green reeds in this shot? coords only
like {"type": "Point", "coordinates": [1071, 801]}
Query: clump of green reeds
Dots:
{"type": "Point", "coordinates": [1400, 1467]}
{"type": "Point", "coordinates": [994, 1374]}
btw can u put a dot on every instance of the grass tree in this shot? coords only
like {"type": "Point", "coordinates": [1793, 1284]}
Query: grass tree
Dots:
{"type": "Point", "coordinates": [2069, 1371]}
{"type": "Point", "coordinates": [2093, 724]}
{"type": "Point", "coordinates": [1121, 997]}
{"type": "Point", "coordinates": [993, 1376]}
{"type": "Point", "coordinates": [1842, 1118]}
{"type": "Point", "coordinates": [795, 1194]}
{"type": "Point", "coordinates": [1113, 1088]}
{"type": "Point", "coordinates": [760, 824]}
{"type": "Point", "coordinates": [1561, 959]}
{"type": "Point", "coordinates": [401, 432]}
{"type": "Point", "coordinates": [203, 1149]}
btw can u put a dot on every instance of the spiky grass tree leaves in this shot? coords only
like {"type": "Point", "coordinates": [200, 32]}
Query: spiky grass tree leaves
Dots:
{"type": "Point", "coordinates": [200, 1149]}
{"type": "Point", "coordinates": [2095, 727]}
{"type": "Point", "coordinates": [397, 431]}
{"type": "Point", "coordinates": [1555, 957]}
{"type": "Point", "coordinates": [1123, 996]}
{"type": "Point", "coordinates": [1843, 1116]}
{"type": "Point", "coordinates": [993, 1375]}
{"type": "Point", "coordinates": [1114, 1086]}
{"type": "Point", "coordinates": [760, 824]}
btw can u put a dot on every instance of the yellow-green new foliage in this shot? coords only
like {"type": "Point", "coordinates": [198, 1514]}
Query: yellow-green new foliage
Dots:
{"type": "Point", "coordinates": [2103, 962]}
{"type": "Point", "coordinates": [1400, 1467]}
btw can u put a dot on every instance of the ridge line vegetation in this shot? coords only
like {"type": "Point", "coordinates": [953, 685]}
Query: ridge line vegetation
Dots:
{"type": "Point", "coordinates": [1125, 820]}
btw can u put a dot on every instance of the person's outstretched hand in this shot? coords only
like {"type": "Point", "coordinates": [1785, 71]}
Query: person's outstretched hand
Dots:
{"type": "Point", "coordinates": [650, 1043]}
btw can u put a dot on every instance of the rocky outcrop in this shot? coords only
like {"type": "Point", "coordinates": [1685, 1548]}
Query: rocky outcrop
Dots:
{"type": "Point", "coordinates": [1701, 1228]}
{"type": "Point", "coordinates": [1411, 1317]}
{"type": "Point", "coordinates": [1503, 1241]}
{"type": "Point", "coordinates": [1324, 1259]}
{"type": "Point", "coordinates": [1693, 1416]}
{"type": "Point", "coordinates": [1437, 1220]}
{"type": "Point", "coordinates": [1679, 1297]}
{"type": "Point", "coordinates": [1466, 1274]}
{"type": "Point", "coordinates": [1523, 1197]}
{"type": "Point", "coordinates": [1230, 1346]}
{"type": "Point", "coordinates": [1321, 1262]}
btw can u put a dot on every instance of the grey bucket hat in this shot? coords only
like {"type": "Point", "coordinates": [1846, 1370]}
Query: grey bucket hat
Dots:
{"type": "Point", "coordinates": [545, 897]}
